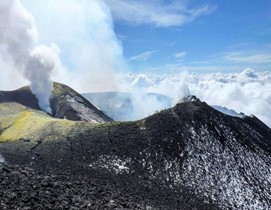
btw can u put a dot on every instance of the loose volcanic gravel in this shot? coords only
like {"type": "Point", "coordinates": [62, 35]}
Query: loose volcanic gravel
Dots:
{"type": "Point", "coordinates": [24, 189]}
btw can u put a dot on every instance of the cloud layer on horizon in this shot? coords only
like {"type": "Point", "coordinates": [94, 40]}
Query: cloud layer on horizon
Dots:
{"type": "Point", "coordinates": [247, 92]}
{"type": "Point", "coordinates": [92, 55]}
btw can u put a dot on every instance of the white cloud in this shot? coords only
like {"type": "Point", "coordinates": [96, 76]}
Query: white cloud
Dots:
{"type": "Point", "coordinates": [9, 73]}
{"type": "Point", "coordinates": [247, 92]}
{"type": "Point", "coordinates": [173, 43]}
{"type": "Point", "coordinates": [84, 32]}
{"type": "Point", "coordinates": [157, 12]}
{"type": "Point", "coordinates": [180, 55]}
{"type": "Point", "coordinates": [248, 57]}
{"type": "Point", "coordinates": [18, 36]}
{"type": "Point", "coordinates": [142, 56]}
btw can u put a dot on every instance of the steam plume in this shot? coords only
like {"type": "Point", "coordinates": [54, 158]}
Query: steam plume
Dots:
{"type": "Point", "coordinates": [92, 54]}
{"type": "Point", "coordinates": [40, 59]}
{"type": "Point", "coordinates": [17, 38]}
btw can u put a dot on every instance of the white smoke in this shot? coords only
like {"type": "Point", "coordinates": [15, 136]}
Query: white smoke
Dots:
{"type": "Point", "coordinates": [84, 31]}
{"type": "Point", "coordinates": [17, 31]}
{"type": "Point", "coordinates": [182, 89]}
{"type": "Point", "coordinates": [37, 70]}
{"type": "Point", "coordinates": [18, 35]}
{"type": "Point", "coordinates": [142, 102]}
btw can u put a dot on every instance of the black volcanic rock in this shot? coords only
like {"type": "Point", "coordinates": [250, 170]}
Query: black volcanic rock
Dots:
{"type": "Point", "coordinates": [64, 101]}
{"type": "Point", "coordinates": [22, 96]}
{"type": "Point", "coordinates": [23, 188]}
{"type": "Point", "coordinates": [67, 103]}
{"type": "Point", "coordinates": [191, 152]}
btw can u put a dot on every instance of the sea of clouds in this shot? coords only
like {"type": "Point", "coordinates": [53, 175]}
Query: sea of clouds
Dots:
{"type": "Point", "coordinates": [247, 92]}
{"type": "Point", "coordinates": [84, 52]}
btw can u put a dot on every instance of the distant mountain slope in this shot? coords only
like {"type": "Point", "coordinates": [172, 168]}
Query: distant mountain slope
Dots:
{"type": "Point", "coordinates": [121, 106]}
{"type": "Point", "coordinates": [209, 160]}
{"type": "Point", "coordinates": [227, 111]}
{"type": "Point", "coordinates": [65, 103]}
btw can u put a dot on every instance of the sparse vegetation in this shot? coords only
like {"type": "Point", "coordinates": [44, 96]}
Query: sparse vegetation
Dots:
{"type": "Point", "coordinates": [20, 122]}
{"type": "Point", "coordinates": [183, 149]}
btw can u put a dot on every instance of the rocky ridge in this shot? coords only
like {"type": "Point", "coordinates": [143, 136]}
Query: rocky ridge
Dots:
{"type": "Point", "coordinates": [217, 161]}
{"type": "Point", "coordinates": [64, 101]}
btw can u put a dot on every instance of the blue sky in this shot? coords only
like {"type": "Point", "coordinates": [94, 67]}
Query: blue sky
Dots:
{"type": "Point", "coordinates": [92, 45]}
{"type": "Point", "coordinates": [222, 35]}
{"type": "Point", "coordinates": [97, 39]}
